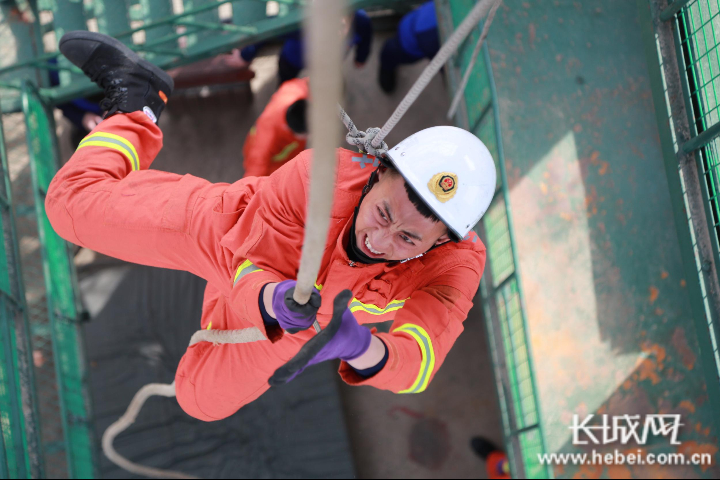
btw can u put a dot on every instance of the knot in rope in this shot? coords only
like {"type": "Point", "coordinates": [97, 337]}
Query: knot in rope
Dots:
{"type": "Point", "coordinates": [363, 140]}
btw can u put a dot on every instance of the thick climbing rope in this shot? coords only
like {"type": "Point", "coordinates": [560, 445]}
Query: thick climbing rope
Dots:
{"type": "Point", "coordinates": [324, 16]}
{"type": "Point", "coordinates": [217, 337]}
{"type": "Point", "coordinates": [326, 89]}
{"type": "Point", "coordinates": [468, 72]}
{"type": "Point", "coordinates": [154, 389]}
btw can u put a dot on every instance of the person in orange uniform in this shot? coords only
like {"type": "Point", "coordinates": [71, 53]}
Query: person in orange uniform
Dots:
{"type": "Point", "coordinates": [280, 132]}
{"type": "Point", "coordinates": [400, 241]}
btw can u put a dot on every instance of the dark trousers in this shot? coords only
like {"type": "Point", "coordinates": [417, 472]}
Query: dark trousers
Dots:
{"type": "Point", "coordinates": [393, 54]}
{"type": "Point", "coordinates": [286, 70]}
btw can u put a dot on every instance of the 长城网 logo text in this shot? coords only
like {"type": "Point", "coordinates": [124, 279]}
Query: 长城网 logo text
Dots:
{"type": "Point", "coordinates": [625, 429]}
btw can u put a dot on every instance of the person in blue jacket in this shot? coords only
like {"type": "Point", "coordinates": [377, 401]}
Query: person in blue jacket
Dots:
{"type": "Point", "coordinates": [417, 38]}
{"type": "Point", "coordinates": [292, 58]}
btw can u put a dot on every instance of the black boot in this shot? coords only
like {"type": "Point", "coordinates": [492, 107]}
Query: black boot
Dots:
{"type": "Point", "coordinates": [131, 84]}
{"type": "Point", "coordinates": [388, 80]}
{"type": "Point", "coordinates": [483, 447]}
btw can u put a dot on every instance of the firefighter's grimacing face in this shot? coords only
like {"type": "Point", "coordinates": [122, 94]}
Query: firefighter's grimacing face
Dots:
{"type": "Point", "coordinates": [390, 227]}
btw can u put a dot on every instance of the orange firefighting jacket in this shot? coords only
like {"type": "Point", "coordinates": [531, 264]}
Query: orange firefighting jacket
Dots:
{"type": "Point", "coordinates": [242, 236]}
{"type": "Point", "coordinates": [270, 143]}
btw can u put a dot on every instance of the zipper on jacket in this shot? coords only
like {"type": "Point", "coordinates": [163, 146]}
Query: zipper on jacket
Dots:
{"type": "Point", "coordinates": [351, 263]}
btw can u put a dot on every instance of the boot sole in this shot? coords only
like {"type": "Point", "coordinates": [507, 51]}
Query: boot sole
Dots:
{"type": "Point", "coordinates": [117, 44]}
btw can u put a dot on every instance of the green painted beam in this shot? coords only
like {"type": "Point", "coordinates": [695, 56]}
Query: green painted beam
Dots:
{"type": "Point", "coordinates": [61, 292]}
{"type": "Point", "coordinates": [673, 9]}
{"type": "Point", "coordinates": [19, 420]}
{"type": "Point", "coordinates": [68, 15]}
{"type": "Point", "coordinates": [113, 18]}
{"type": "Point", "coordinates": [162, 36]}
{"type": "Point", "coordinates": [702, 140]}
{"type": "Point", "coordinates": [207, 16]}
{"type": "Point", "coordinates": [247, 12]}
{"type": "Point", "coordinates": [219, 27]}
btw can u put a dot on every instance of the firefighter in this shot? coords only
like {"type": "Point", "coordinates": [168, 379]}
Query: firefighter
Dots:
{"type": "Point", "coordinates": [280, 132]}
{"type": "Point", "coordinates": [417, 38]}
{"type": "Point", "coordinates": [400, 239]}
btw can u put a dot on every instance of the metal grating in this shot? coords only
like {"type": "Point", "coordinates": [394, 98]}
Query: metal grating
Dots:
{"type": "Point", "coordinates": [700, 30]}
{"type": "Point", "coordinates": [681, 40]}
{"type": "Point", "coordinates": [42, 353]}
{"type": "Point", "coordinates": [60, 305]}
{"type": "Point", "coordinates": [513, 333]}
{"type": "Point", "coordinates": [18, 425]}
{"type": "Point", "coordinates": [498, 241]}
{"type": "Point", "coordinates": [53, 348]}
{"type": "Point", "coordinates": [699, 37]}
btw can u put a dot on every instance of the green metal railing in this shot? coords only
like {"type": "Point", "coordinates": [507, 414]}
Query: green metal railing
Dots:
{"type": "Point", "coordinates": [683, 46]}
{"type": "Point", "coordinates": [501, 287]}
{"type": "Point", "coordinates": [699, 38]}
{"type": "Point", "coordinates": [63, 306]}
{"type": "Point", "coordinates": [167, 37]}
{"type": "Point", "coordinates": [44, 405]}
{"type": "Point", "coordinates": [20, 455]}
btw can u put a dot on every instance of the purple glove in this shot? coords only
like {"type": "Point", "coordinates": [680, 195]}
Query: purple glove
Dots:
{"type": "Point", "coordinates": [343, 338]}
{"type": "Point", "coordinates": [292, 316]}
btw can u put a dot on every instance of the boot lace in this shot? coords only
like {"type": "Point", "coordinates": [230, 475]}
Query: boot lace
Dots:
{"type": "Point", "coordinates": [115, 93]}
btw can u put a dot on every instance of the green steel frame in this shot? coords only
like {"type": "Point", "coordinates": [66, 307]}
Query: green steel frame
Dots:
{"type": "Point", "coordinates": [683, 43]}
{"type": "Point", "coordinates": [20, 452]}
{"type": "Point", "coordinates": [63, 305]}
{"type": "Point", "coordinates": [501, 288]}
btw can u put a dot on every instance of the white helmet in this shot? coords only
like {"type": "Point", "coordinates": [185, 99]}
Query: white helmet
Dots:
{"type": "Point", "coordinates": [452, 171]}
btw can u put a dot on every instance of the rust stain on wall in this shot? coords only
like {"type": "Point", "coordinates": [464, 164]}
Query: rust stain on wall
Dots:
{"type": "Point", "coordinates": [654, 293]}
{"type": "Point", "coordinates": [680, 344]}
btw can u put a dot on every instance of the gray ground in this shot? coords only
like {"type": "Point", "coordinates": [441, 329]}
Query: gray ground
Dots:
{"type": "Point", "coordinates": [389, 436]}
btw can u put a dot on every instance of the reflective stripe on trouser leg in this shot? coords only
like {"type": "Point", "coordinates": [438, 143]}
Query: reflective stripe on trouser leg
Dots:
{"type": "Point", "coordinates": [428, 356]}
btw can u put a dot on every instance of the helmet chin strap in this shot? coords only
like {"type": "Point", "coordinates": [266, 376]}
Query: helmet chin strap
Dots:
{"type": "Point", "coordinates": [353, 247]}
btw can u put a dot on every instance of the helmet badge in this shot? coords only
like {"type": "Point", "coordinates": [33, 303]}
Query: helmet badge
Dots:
{"type": "Point", "coordinates": [443, 186]}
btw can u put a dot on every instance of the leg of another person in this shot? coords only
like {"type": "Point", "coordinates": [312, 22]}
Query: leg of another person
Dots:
{"type": "Point", "coordinates": [392, 56]}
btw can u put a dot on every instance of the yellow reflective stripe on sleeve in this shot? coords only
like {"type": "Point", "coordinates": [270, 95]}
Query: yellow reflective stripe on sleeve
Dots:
{"type": "Point", "coordinates": [428, 354]}
{"type": "Point", "coordinates": [119, 139]}
{"type": "Point", "coordinates": [210, 326]}
{"type": "Point", "coordinates": [114, 146]}
{"type": "Point", "coordinates": [357, 306]}
{"type": "Point", "coordinates": [245, 268]}
{"type": "Point", "coordinates": [116, 142]}
{"type": "Point", "coordinates": [282, 156]}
